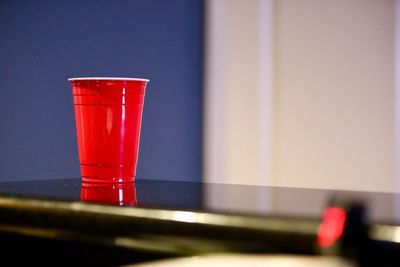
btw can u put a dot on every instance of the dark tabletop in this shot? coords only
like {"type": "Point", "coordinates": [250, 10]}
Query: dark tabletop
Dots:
{"type": "Point", "coordinates": [171, 218]}
{"type": "Point", "coordinates": [207, 197]}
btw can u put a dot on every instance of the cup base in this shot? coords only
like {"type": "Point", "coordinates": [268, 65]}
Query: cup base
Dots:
{"type": "Point", "coordinates": [103, 173]}
{"type": "Point", "coordinates": [112, 180]}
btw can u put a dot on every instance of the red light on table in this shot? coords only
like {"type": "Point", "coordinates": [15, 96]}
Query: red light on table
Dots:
{"type": "Point", "coordinates": [121, 194]}
{"type": "Point", "coordinates": [332, 226]}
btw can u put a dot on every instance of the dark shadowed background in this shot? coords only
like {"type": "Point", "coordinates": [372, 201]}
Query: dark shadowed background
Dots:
{"type": "Point", "coordinates": [42, 43]}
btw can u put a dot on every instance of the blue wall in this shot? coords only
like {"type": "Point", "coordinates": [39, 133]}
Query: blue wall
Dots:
{"type": "Point", "coordinates": [42, 43]}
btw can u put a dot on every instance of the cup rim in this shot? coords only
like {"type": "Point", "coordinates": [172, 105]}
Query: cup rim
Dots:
{"type": "Point", "coordinates": [107, 79]}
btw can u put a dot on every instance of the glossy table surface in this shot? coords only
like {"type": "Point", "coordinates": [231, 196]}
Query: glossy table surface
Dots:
{"type": "Point", "coordinates": [206, 197]}
{"type": "Point", "coordinates": [158, 219]}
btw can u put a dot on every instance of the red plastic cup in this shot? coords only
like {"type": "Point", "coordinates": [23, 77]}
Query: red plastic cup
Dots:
{"type": "Point", "coordinates": [120, 194]}
{"type": "Point", "coordinates": [108, 116]}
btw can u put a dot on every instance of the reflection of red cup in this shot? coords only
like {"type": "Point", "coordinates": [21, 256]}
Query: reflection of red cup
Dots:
{"type": "Point", "coordinates": [108, 115]}
{"type": "Point", "coordinates": [121, 194]}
